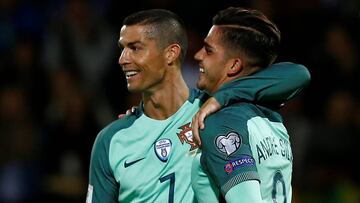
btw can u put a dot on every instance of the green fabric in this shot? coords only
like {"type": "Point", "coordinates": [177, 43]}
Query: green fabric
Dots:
{"type": "Point", "coordinates": [137, 142]}
{"type": "Point", "coordinates": [101, 175]}
{"type": "Point", "coordinates": [245, 142]}
{"type": "Point", "coordinates": [127, 167]}
{"type": "Point", "coordinates": [281, 82]}
{"type": "Point", "coordinates": [204, 187]}
{"type": "Point", "coordinates": [251, 188]}
{"type": "Point", "coordinates": [131, 140]}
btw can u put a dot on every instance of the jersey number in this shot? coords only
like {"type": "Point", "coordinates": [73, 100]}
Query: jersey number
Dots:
{"type": "Point", "coordinates": [278, 178]}
{"type": "Point", "coordinates": [170, 177]}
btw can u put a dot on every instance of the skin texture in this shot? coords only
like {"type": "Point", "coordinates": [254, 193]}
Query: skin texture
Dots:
{"type": "Point", "coordinates": [216, 68]}
{"type": "Point", "coordinates": [209, 107]}
{"type": "Point", "coordinates": [218, 65]}
{"type": "Point", "coordinates": [141, 54]}
{"type": "Point", "coordinates": [153, 71]}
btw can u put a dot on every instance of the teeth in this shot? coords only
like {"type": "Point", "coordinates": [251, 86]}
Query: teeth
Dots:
{"type": "Point", "coordinates": [130, 73]}
{"type": "Point", "coordinates": [201, 70]}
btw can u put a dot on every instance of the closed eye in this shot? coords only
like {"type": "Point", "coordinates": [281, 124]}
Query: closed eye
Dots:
{"type": "Point", "coordinates": [135, 47]}
{"type": "Point", "coordinates": [208, 48]}
{"type": "Point", "coordinates": [208, 51]}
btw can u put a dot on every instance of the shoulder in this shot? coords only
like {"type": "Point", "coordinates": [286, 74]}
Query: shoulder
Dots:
{"type": "Point", "coordinates": [239, 112]}
{"type": "Point", "coordinates": [236, 118]}
{"type": "Point", "coordinates": [106, 134]}
{"type": "Point", "coordinates": [195, 94]}
{"type": "Point", "coordinates": [231, 120]}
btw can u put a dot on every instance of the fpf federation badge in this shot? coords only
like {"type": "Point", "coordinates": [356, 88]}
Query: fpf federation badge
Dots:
{"type": "Point", "coordinates": [186, 135]}
{"type": "Point", "coordinates": [162, 149]}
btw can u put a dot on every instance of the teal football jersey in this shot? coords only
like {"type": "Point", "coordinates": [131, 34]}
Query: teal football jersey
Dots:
{"type": "Point", "coordinates": [245, 142]}
{"type": "Point", "coordinates": [146, 160]}
{"type": "Point", "coordinates": [139, 159]}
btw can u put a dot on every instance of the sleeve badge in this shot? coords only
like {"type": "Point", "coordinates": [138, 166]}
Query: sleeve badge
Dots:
{"type": "Point", "coordinates": [229, 143]}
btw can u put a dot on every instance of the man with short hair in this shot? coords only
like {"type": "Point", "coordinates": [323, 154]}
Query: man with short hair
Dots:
{"type": "Point", "coordinates": [147, 156]}
{"type": "Point", "coordinates": [246, 150]}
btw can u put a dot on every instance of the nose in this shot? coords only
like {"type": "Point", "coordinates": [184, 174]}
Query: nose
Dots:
{"type": "Point", "coordinates": [198, 55]}
{"type": "Point", "coordinates": [124, 57]}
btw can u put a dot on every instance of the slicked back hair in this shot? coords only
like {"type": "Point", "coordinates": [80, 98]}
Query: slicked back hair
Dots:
{"type": "Point", "coordinates": [249, 33]}
{"type": "Point", "coordinates": [164, 26]}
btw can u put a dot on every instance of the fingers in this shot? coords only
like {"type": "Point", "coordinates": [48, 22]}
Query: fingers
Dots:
{"type": "Point", "coordinates": [131, 111]}
{"type": "Point", "coordinates": [202, 116]}
{"type": "Point", "coordinates": [209, 107]}
{"type": "Point", "coordinates": [128, 112]}
{"type": "Point", "coordinates": [195, 130]}
{"type": "Point", "coordinates": [198, 122]}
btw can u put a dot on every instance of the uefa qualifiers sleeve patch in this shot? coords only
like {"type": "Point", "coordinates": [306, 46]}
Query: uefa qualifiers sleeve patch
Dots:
{"type": "Point", "coordinates": [89, 194]}
{"type": "Point", "coordinates": [242, 161]}
{"type": "Point", "coordinates": [229, 143]}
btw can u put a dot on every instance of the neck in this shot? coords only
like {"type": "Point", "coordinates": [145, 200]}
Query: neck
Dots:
{"type": "Point", "coordinates": [164, 100]}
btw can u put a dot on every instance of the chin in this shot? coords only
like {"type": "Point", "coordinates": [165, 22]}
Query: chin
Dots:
{"type": "Point", "coordinates": [201, 86]}
{"type": "Point", "coordinates": [133, 89]}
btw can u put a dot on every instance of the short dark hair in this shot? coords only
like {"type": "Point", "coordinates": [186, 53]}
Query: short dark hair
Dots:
{"type": "Point", "coordinates": [164, 26]}
{"type": "Point", "coordinates": [251, 33]}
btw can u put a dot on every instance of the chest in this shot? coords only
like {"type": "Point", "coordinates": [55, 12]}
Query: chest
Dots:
{"type": "Point", "coordinates": [148, 158]}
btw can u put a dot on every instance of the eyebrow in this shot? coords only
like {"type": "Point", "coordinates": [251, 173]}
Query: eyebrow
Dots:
{"type": "Point", "coordinates": [129, 44]}
{"type": "Point", "coordinates": [207, 45]}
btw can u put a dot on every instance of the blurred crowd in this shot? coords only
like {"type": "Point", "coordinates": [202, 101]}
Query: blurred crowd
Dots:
{"type": "Point", "coordinates": [60, 83]}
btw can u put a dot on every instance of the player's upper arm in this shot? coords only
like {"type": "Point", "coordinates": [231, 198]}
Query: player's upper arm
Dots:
{"type": "Point", "coordinates": [226, 152]}
{"type": "Point", "coordinates": [102, 184]}
{"type": "Point", "coordinates": [248, 191]}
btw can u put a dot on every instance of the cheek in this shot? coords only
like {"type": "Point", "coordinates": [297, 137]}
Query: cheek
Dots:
{"type": "Point", "coordinates": [144, 57]}
{"type": "Point", "coordinates": [212, 77]}
{"type": "Point", "coordinates": [147, 62]}
{"type": "Point", "coordinates": [214, 70]}
{"type": "Point", "coordinates": [155, 68]}
{"type": "Point", "coordinates": [153, 59]}
{"type": "Point", "coordinates": [141, 61]}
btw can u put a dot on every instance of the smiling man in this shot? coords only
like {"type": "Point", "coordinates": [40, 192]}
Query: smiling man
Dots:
{"type": "Point", "coordinates": [147, 156]}
{"type": "Point", "coordinates": [246, 149]}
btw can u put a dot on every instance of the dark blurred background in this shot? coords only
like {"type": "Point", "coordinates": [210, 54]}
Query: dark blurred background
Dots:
{"type": "Point", "coordinates": [60, 84]}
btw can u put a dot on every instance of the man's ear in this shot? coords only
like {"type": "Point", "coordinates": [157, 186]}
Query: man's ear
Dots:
{"type": "Point", "coordinates": [235, 67]}
{"type": "Point", "coordinates": [172, 53]}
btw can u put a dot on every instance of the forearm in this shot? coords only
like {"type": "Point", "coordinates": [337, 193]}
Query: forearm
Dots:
{"type": "Point", "coordinates": [276, 84]}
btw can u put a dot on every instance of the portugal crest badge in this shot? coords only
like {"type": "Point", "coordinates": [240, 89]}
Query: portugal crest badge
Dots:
{"type": "Point", "coordinates": [186, 135]}
{"type": "Point", "coordinates": [162, 149]}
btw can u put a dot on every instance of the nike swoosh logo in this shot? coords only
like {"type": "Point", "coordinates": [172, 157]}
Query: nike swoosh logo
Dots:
{"type": "Point", "coordinates": [127, 164]}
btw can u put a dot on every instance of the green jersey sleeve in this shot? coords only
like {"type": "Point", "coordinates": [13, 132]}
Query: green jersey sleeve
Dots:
{"type": "Point", "coordinates": [204, 188]}
{"type": "Point", "coordinates": [244, 143]}
{"type": "Point", "coordinates": [250, 188]}
{"type": "Point", "coordinates": [226, 151]}
{"type": "Point", "coordinates": [274, 85]}
{"type": "Point", "coordinates": [102, 184]}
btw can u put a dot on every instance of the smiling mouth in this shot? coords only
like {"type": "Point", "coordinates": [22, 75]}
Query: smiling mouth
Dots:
{"type": "Point", "coordinates": [201, 70]}
{"type": "Point", "coordinates": [130, 74]}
